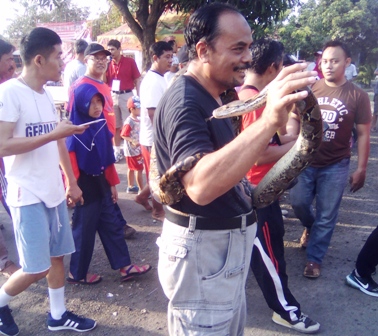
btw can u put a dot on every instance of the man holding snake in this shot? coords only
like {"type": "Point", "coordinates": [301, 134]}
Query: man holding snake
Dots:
{"type": "Point", "coordinates": [207, 236]}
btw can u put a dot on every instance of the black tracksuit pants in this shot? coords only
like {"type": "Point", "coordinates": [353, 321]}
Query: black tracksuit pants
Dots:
{"type": "Point", "coordinates": [367, 259]}
{"type": "Point", "coordinates": [268, 263]}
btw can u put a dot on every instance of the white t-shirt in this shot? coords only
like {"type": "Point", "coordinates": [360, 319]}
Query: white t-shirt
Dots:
{"type": "Point", "coordinates": [151, 90]}
{"type": "Point", "coordinates": [72, 72]}
{"type": "Point", "coordinates": [350, 72]}
{"type": "Point", "coordinates": [33, 177]}
{"type": "Point", "coordinates": [168, 77]}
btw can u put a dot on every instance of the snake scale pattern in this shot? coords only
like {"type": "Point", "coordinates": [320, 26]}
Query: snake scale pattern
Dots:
{"type": "Point", "coordinates": [168, 189]}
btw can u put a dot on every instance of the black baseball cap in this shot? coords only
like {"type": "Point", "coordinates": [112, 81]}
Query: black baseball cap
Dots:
{"type": "Point", "coordinates": [95, 48]}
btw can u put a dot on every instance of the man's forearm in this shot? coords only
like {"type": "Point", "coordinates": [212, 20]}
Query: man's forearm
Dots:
{"type": "Point", "coordinates": [363, 147]}
{"type": "Point", "coordinates": [218, 172]}
{"type": "Point", "coordinates": [10, 145]}
{"type": "Point", "coordinates": [65, 162]}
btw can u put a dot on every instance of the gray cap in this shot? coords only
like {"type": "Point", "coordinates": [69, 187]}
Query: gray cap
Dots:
{"type": "Point", "coordinates": [183, 54]}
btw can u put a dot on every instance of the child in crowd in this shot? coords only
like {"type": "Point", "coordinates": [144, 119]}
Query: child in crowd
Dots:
{"type": "Point", "coordinates": [92, 159]}
{"type": "Point", "coordinates": [134, 159]}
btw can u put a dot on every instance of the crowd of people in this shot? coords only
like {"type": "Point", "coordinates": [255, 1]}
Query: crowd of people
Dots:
{"type": "Point", "coordinates": [214, 234]}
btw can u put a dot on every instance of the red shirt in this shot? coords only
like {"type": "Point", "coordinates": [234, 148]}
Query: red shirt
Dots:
{"type": "Point", "coordinates": [126, 71]}
{"type": "Point", "coordinates": [104, 90]}
{"type": "Point", "coordinates": [256, 173]}
{"type": "Point", "coordinates": [111, 174]}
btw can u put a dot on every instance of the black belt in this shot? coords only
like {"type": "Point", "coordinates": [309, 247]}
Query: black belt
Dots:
{"type": "Point", "coordinates": [211, 223]}
{"type": "Point", "coordinates": [122, 91]}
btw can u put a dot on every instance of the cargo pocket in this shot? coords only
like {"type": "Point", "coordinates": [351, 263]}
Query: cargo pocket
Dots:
{"type": "Point", "coordinates": [172, 252]}
{"type": "Point", "coordinates": [202, 321]}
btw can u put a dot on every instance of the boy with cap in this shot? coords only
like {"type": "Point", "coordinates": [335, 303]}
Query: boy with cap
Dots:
{"type": "Point", "coordinates": [134, 159]}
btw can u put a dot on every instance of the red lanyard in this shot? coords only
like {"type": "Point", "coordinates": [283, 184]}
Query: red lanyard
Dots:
{"type": "Point", "coordinates": [118, 66]}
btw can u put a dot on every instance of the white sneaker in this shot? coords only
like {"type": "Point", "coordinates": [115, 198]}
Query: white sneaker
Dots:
{"type": "Point", "coordinates": [304, 324]}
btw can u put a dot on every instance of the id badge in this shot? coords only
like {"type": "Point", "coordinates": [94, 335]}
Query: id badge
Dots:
{"type": "Point", "coordinates": [116, 84]}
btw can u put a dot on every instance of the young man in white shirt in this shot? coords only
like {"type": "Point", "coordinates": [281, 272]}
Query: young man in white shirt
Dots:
{"type": "Point", "coordinates": [32, 142]}
{"type": "Point", "coordinates": [151, 90]}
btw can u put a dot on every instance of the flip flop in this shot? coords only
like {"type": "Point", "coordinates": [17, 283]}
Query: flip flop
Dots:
{"type": "Point", "coordinates": [93, 279]}
{"type": "Point", "coordinates": [139, 271]}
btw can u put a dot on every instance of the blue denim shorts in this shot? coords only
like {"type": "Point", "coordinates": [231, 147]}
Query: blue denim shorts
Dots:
{"type": "Point", "coordinates": [41, 233]}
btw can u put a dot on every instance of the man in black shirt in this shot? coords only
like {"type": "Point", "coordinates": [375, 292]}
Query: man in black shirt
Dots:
{"type": "Point", "coordinates": [207, 236]}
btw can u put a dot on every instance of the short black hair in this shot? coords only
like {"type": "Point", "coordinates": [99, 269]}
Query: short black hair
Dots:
{"type": "Point", "coordinates": [266, 52]}
{"type": "Point", "coordinates": [5, 48]}
{"type": "Point", "coordinates": [40, 41]}
{"type": "Point", "coordinates": [80, 46]}
{"type": "Point", "coordinates": [335, 44]}
{"type": "Point", "coordinates": [114, 43]}
{"type": "Point", "coordinates": [158, 48]}
{"type": "Point", "coordinates": [204, 25]}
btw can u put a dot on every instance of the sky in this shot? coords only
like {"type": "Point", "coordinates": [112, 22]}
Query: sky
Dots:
{"type": "Point", "coordinates": [6, 16]}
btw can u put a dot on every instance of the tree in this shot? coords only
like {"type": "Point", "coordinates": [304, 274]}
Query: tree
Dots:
{"type": "Point", "coordinates": [33, 13]}
{"type": "Point", "coordinates": [147, 14]}
{"type": "Point", "coordinates": [259, 13]}
{"type": "Point", "coordinates": [352, 22]}
{"type": "Point", "coordinates": [107, 21]}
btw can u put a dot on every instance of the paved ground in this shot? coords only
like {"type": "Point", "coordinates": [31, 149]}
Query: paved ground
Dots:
{"type": "Point", "coordinates": [138, 307]}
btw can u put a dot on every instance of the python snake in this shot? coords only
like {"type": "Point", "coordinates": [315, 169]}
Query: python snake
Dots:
{"type": "Point", "coordinates": [169, 190]}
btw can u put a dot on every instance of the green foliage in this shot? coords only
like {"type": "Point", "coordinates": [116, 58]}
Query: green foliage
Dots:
{"type": "Point", "coordinates": [365, 74]}
{"type": "Point", "coordinates": [259, 13]}
{"type": "Point", "coordinates": [106, 21]}
{"type": "Point", "coordinates": [33, 13]}
{"type": "Point", "coordinates": [318, 21]}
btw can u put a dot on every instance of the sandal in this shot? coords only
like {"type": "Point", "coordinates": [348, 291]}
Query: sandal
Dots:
{"type": "Point", "coordinates": [312, 270]}
{"type": "Point", "coordinates": [126, 273]}
{"type": "Point", "coordinates": [91, 279]}
{"type": "Point", "coordinates": [9, 268]}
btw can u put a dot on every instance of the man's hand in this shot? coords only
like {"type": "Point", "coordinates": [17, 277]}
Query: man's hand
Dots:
{"type": "Point", "coordinates": [114, 191]}
{"type": "Point", "coordinates": [282, 95]}
{"type": "Point", "coordinates": [66, 128]}
{"type": "Point", "coordinates": [357, 180]}
{"type": "Point", "coordinates": [74, 195]}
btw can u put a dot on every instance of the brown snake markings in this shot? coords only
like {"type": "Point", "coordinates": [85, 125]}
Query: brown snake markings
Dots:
{"type": "Point", "coordinates": [168, 189]}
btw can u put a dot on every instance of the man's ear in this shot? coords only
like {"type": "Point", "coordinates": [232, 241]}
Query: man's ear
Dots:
{"type": "Point", "coordinates": [203, 51]}
{"type": "Point", "coordinates": [39, 60]}
{"type": "Point", "coordinates": [348, 61]}
{"type": "Point", "coordinates": [155, 58]}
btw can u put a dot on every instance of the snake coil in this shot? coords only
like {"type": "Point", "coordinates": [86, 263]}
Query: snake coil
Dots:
{"type": "Point", "coordinates": [169, 190]}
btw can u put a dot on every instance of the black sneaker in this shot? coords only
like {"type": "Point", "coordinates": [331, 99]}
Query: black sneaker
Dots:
{"type": "Point", "coordinates": [71, 321]}
{"type": "Point", "coordinates": [304, 324]}
{"type": "Point", "coordinates": [7, 325]}
{"type": "Point", "coordinates": [365, 285]}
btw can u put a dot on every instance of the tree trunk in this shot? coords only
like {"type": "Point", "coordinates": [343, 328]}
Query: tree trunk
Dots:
{"type": "Point", "coordinates": [148, 40]}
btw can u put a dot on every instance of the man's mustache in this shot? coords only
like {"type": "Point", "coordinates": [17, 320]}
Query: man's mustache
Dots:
{"type": "Point", "coordinates": [243, 67]}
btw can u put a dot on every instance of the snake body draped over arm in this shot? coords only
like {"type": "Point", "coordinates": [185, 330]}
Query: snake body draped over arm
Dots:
{"type": "Point", "coordinates": [168, 189]}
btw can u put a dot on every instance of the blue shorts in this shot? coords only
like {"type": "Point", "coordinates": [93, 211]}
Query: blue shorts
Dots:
{"type": "Point", "coordinates": [41, 233]}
